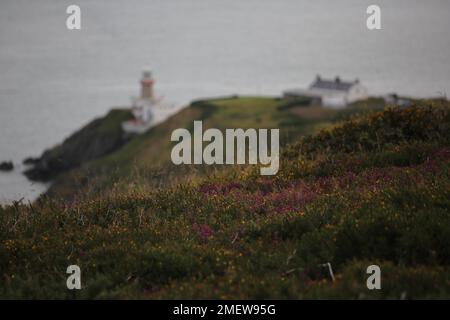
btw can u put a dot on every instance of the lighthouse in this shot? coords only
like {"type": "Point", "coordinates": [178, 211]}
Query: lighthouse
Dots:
{"type": "Point", "coordinates": [147, 83]}
{"type": "Point", "coordinates": [142, 108]}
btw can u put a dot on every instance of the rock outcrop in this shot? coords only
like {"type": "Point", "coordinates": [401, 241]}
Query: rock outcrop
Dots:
{"type": "Point", "coordinates": [6, 166]}
{"type": "Point", "coordinates": [99, 137]}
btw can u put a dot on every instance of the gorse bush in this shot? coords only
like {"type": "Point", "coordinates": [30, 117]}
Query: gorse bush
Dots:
{"type": "Point", "coordinates": [380, 130]}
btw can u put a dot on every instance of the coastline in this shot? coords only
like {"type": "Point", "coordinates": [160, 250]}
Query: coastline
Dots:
{"type": "Point", "coordinates": [100, 137]}
{"type": "Point", "coordinates": [18, 188]}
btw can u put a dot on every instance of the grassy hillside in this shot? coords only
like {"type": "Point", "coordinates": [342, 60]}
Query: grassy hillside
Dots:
{"type": "Point", "coordinates": [374, 189]}
{"type": "Point", "coordinates": [145, 160]}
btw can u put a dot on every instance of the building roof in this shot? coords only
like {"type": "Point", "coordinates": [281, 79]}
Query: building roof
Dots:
{"type": "Point", "coordinates": [336, 84]}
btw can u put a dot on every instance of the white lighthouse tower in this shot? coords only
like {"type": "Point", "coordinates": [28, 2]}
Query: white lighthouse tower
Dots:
{"type": "Point", "coordinates": [142, 107]}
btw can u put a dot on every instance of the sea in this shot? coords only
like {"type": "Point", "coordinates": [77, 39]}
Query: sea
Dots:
{"type": "Point", "coordinates": [54, 80]}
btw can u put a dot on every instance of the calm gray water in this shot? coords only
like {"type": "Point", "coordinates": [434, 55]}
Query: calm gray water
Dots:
{"type": "Point", "coordinates": [53, 80]}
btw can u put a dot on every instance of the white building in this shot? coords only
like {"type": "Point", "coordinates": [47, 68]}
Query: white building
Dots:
{"type": "Point", "coordinates": [331, 93]}
{"type": "Point", "coordinates": [142, 107]}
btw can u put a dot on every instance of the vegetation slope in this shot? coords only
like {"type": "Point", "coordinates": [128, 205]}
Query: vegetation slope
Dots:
{"type": "Point", "coordinates": [373, 189]}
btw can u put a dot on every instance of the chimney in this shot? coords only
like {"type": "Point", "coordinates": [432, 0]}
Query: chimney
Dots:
{"type": "Point", "coordinates": [338, 80]}
{"type": "Point", "coordinates": [147, 85]}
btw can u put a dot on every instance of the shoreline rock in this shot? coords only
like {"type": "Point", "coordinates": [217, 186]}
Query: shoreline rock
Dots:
{"type": "Point", "coordinates": [30, 161]}
{"type": "Point", "coordinates": [98, 138]}
{"type": "Point", "coordinates": [6, 166]}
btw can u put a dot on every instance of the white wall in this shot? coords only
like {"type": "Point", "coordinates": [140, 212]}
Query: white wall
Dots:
{"type": "Point", "coordinates": [335, 100]}
{"type": "Point", "coordinates": [357, 92]}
